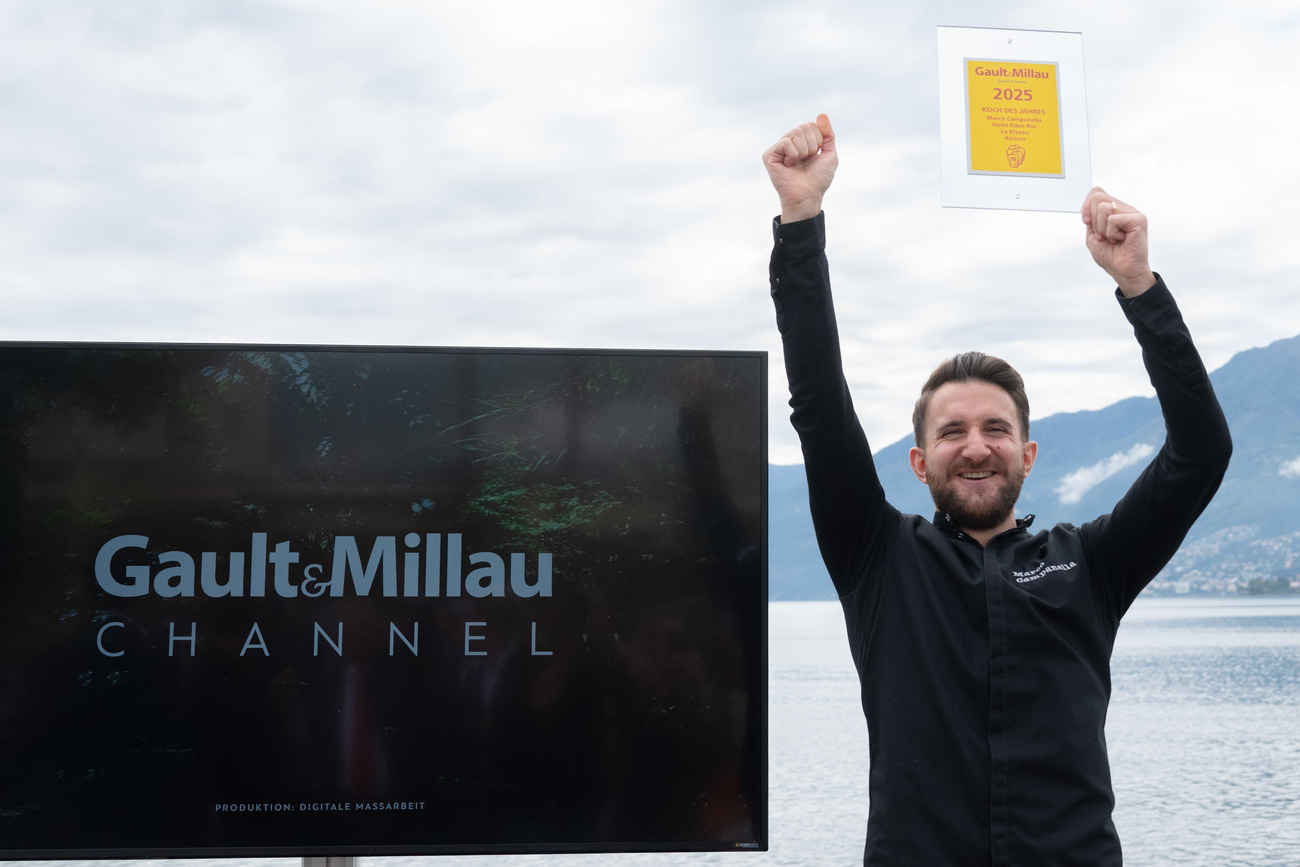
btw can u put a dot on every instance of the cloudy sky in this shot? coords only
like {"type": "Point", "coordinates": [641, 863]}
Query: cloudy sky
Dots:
{"type": "Point", "coordinates": [587, 174]}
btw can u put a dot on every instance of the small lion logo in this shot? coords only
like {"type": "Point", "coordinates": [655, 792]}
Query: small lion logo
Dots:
{"type": "Point", "coordinates": [1015, 156]}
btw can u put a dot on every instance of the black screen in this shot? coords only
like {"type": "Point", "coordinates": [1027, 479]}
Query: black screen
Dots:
{"type": "Point", "coordinates": [292, 601]}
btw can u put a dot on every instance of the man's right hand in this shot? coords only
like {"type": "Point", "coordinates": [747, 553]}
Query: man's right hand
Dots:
{"type": "Point", "coordinates": [802, 166]}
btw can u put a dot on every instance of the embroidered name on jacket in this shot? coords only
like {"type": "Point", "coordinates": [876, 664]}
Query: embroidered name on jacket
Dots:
{"type": "Point", "coordinates": [1040, 570]}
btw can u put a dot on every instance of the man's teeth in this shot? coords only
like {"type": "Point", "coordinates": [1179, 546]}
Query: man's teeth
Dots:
{"type": "Point", "coordinates": [983, 475]}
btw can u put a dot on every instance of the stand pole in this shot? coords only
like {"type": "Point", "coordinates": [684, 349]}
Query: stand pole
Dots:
{"type": "Point", "coordinates": [329, 861]}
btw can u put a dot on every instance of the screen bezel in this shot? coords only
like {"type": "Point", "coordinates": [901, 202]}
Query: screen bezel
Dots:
{"type": "Point", "coordinates": [760, 815]}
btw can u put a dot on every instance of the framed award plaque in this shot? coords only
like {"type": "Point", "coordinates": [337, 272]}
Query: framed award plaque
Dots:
{"type": "Point", "coordinates": [1013, 119]}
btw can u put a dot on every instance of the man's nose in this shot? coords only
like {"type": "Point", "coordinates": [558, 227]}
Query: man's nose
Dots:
{"type": "Point", "coordinates": [975, 447]}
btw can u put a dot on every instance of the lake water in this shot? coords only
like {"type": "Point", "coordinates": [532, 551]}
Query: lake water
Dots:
{"type": "Point", "coordinates": [1204, 737]}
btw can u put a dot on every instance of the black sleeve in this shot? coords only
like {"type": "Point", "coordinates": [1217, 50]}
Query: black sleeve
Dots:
{"type": "Point", "coordinates": [849, 512]}
{"type": "Point", "coordinates": [1135, 541]}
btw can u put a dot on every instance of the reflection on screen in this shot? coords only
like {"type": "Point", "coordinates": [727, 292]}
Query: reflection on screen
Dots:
{"type": "Point", "coordinates": [276, 601]}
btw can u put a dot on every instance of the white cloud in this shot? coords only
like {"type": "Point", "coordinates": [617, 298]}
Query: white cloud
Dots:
{"type": "Point", "coordinates": [1076, 484]}
{"type": "Point", "coordinates": [1290, 469]}
{"type": "Point", "coordinates": [586, 174]}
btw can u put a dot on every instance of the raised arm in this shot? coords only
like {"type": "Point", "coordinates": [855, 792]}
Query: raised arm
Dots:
{"type": "Point", "coordinates": [847, 502]}
{"type": "Point", "coordinates": [1149, 523]}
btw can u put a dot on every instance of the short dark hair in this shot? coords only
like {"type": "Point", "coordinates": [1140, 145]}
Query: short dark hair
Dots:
{"type": "Point", "coordinates": [967, 367]}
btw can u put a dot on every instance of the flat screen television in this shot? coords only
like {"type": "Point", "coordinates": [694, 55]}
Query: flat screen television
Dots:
{"type": "Point", "coordinates": [286, 600]}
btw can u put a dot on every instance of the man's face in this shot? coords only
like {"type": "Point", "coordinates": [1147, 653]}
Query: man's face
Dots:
{"type": "Point", "coordinates": [974, 460]}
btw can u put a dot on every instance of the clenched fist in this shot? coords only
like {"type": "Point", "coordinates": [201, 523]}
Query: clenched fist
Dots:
{"type": "Point", "coordinates": [1117, 239]}
{"type": "Point", "coordinates": [802, 165]}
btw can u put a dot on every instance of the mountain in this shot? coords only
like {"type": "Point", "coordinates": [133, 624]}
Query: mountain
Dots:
{"type": "Point", "coordinates": [1087, 460]}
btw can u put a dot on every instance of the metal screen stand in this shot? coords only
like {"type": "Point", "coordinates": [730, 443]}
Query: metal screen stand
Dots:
{"type": "Point", "coordinates": [329, 861]}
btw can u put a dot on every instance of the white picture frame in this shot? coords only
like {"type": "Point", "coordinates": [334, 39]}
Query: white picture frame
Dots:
{"type": "Point", "coordinates": [965, 185]}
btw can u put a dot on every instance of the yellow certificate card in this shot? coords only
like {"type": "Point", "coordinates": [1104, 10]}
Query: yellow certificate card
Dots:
{"type": "Point", "coordinates": [1013, 118]}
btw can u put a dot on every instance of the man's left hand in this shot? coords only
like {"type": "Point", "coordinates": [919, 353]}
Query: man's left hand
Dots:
{"type": "Point", "coordinates": [1117, 240]}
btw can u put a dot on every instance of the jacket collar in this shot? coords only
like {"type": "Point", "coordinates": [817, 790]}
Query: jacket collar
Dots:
{"type": "Point", "coordinates": [944, 522]}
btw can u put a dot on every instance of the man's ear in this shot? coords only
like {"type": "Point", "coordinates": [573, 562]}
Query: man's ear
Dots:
{"type": "Point", "coordinates": [917, 458]}
{"type": "Point", "coordinates": [1031, 454]}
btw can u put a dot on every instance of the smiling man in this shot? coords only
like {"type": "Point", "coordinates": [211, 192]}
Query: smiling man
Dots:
{"type": "Point", "coordinates": [983, 648]}
{"type": "Point", "coordinates": [971, 425]}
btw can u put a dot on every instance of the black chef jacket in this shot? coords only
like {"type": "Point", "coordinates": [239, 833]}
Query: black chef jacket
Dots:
{"type": "Point", "coordinates": [985, 671]}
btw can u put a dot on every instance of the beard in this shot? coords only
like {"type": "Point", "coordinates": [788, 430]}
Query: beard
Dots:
{"type": "Point", "coordinates": [983, 513]}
